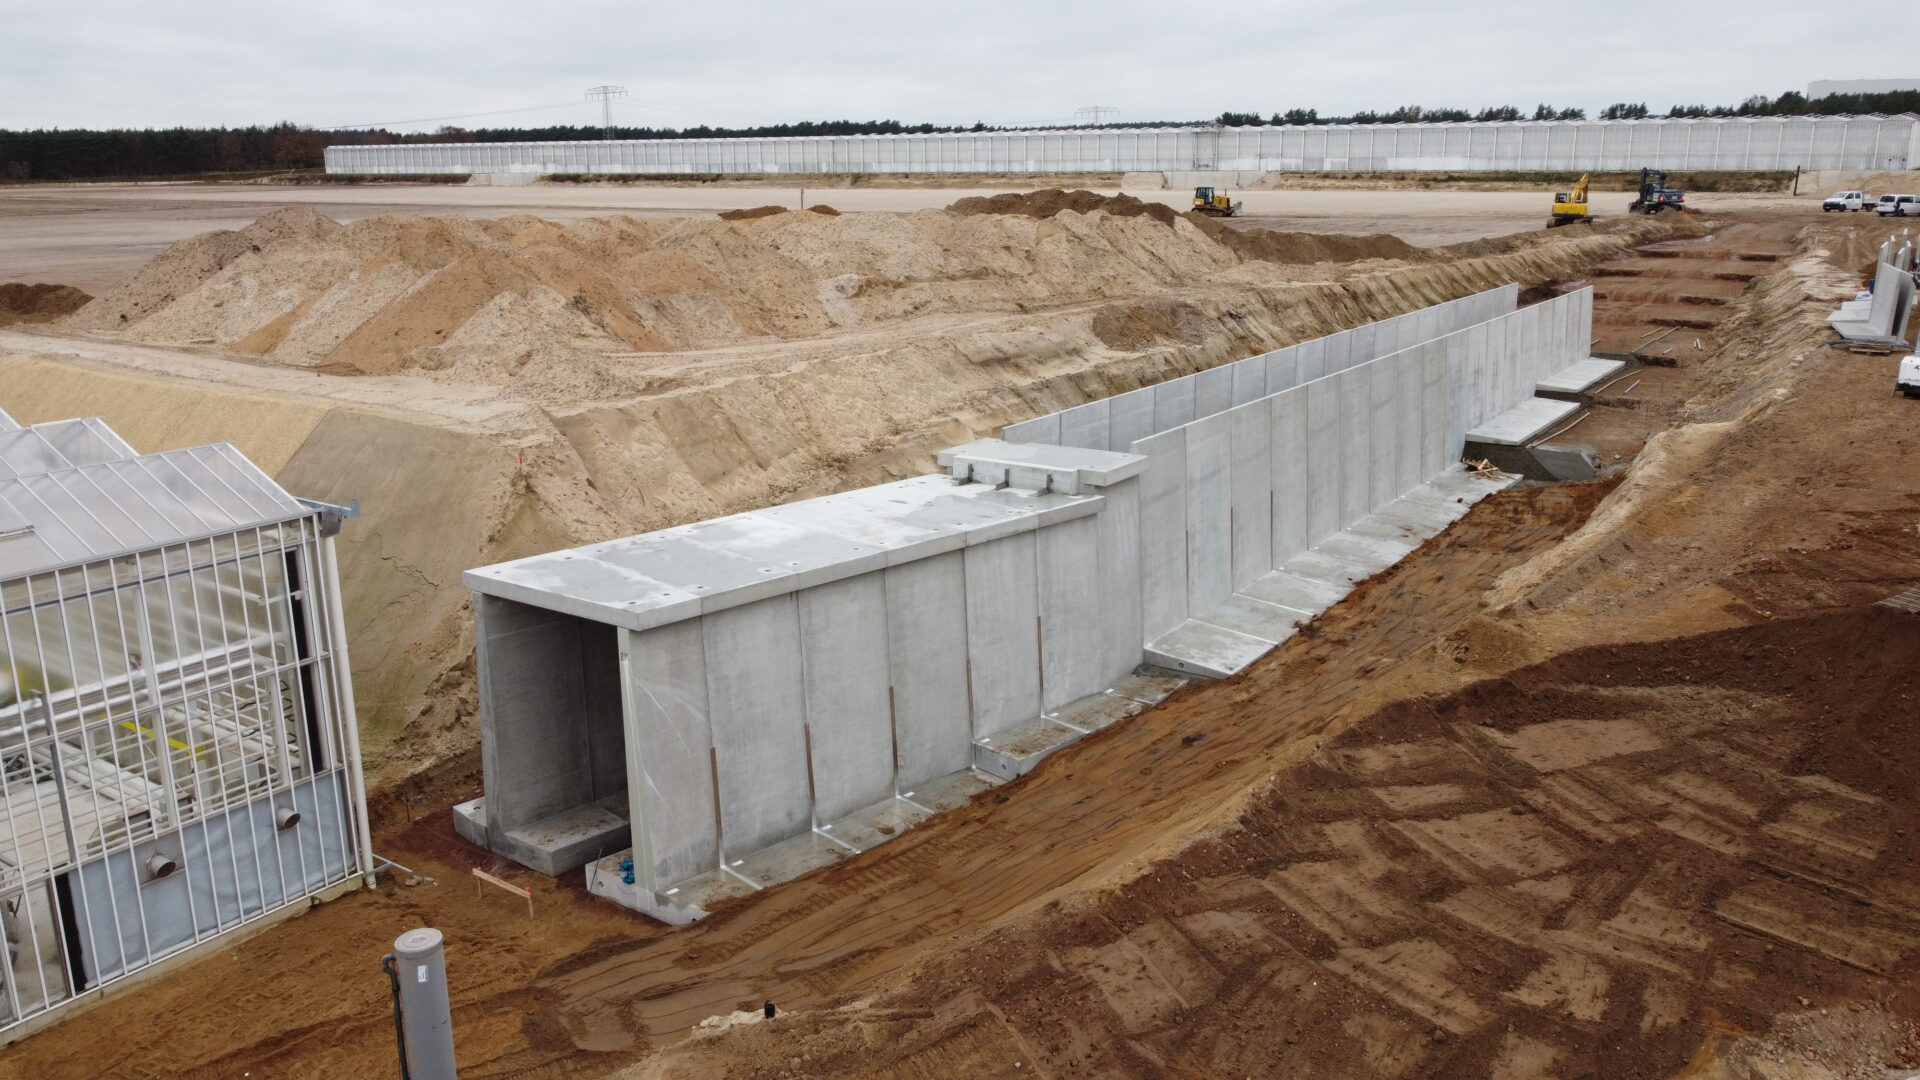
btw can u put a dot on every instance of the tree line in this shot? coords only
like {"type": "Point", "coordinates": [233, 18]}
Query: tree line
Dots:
{"type": "Point", "coordinates": [84, 154]}
{"type": "Point", "coordinates": [1790, 103]}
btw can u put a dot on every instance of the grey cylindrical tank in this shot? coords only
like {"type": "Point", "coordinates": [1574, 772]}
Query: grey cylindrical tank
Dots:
{"type": "Point", "coordinates": [425, 1014]}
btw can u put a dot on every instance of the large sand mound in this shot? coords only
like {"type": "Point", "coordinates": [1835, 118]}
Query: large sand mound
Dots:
{"type": "Point", "coordinates": [519, 298]}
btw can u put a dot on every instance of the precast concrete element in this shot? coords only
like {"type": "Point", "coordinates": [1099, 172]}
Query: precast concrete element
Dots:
{"type": "Point", "coordinates": [723, 696]}
{"type": "Point", "coordinates": [1345, 474]}
{"type": "Point", "coordinates": [1204, 155]}
{"type": "Point", "coordinates": [1882, 319]}
{"type": "Point", "coordinates": [1117, 423]}
{"type": "Point", "coordinates": [738, 701]}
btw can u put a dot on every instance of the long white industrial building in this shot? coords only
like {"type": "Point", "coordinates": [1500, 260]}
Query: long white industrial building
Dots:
{"type": "Point", "coordinates": [1735, 144]}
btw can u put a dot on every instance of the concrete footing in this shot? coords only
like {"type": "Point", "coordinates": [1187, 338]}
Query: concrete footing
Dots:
{"type": "Point", "coordinates": [1577, 382]}
{"type": "Point", "coordinates": [1523, 423]}
{"type": "Point", "coordinates": [555, 844]}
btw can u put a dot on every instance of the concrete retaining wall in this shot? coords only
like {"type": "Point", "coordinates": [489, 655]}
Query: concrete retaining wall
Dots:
{"type": "Point", "coordinates": [798, 682]}
{"type": "Point", "coordinates": [1116, 423]}
{"type": "Point", "coordinates": [1729, 144]}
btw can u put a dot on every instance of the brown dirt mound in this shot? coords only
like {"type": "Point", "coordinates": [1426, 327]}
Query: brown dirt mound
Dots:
{"type": "Point", "coordinates": [1050, 201]}
{"type": "Point", "coordinates": [23, 303]}
{"type": "Point", "coordinates": [1265, 245]}
{"type": "Point", "coordinates": [755, 212]}
{"type": "Point", "coordinates": [1270, 245]}
{"type": "Point", "coordinates": [823, 208]}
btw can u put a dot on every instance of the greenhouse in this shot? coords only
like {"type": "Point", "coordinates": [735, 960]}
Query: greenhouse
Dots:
{"type": "Point", "coordinates": [178, 757]}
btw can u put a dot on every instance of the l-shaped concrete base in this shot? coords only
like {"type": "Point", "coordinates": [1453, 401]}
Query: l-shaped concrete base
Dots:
{"type": "Point", "coordinates": [553, 845]}
{"type": "Point", "coordinates": [1225, 639]}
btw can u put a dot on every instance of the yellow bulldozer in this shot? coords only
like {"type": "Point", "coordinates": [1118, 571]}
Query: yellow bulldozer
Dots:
{"type": "Point", "coordinates": [1207, 202]}
{"type": "Point", "coordinates": [1570, 207]}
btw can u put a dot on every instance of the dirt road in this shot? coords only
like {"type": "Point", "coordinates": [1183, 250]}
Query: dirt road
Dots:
{"type": "Point", "coordinates": [95, 236]}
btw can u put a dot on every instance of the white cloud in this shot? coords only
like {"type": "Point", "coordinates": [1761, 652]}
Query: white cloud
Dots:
{"type": "Point", "coordinates": [198, 62]}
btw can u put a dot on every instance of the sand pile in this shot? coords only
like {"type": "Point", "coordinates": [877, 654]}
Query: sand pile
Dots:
{"type": "Point", "coordinates": [23, 303]}
{"type": "Point", "coordinates": [1051, 201]}
{"type": "Point", "coordinates": [520, 298]}
{"type": "Point", "coordinates": [1265, 245]}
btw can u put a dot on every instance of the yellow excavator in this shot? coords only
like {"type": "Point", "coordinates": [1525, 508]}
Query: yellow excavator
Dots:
{"type": "Point", "coordinates": [1570, 207]}
{"type": "Point", "coordinates": [1214, 205]}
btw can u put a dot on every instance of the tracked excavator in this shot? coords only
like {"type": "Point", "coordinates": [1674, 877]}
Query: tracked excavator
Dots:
{"type": "Point", "coordinates": [1570, 207]}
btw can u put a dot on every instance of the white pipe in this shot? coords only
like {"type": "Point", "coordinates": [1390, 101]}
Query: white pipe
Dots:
{"type": "Point", "coordinates": [343, 683]}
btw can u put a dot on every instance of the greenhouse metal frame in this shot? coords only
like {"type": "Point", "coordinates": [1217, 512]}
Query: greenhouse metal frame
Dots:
{"type": "Point", "coordinates": [178, 755]}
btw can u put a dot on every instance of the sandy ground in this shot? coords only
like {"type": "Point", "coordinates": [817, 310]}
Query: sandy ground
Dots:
{"type": "Point", "coordinates": [94, 236]}
{"type": "Point", "coordinates": [1608, 780]}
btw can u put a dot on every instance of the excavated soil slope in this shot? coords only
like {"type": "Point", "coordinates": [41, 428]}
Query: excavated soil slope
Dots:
{"type": "Point", "coordinates": [518, 435]}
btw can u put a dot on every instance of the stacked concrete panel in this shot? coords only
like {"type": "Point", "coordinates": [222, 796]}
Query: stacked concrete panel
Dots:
{"type": "Point", "coordinates": [1881, 318]}
{"type": "Point", "coordinates": [746, 699]}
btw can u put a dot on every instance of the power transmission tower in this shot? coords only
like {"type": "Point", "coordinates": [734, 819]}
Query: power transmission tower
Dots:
{"type": "Point", "coordinates": [606, 94]}
{"type": "Point", "coordinates": [1094, 115]}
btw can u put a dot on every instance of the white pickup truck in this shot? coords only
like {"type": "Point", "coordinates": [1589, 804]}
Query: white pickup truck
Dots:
{"type": "Point", "coordinates": [1908, 381]}
{"type": "Point", "coordinates": [1845, 200]}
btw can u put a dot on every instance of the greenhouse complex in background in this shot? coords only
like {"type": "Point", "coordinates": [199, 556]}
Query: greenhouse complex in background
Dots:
{"type": "Point", "coordinates": [1765, 143]}
{"type": "Point", "coordinates": [176, 722]}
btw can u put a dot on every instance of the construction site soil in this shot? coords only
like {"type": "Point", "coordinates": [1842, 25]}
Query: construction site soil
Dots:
{"type": "Point", "coordinates": [1608, 780]}
{"type": "Point", "coordinates": [24, 303]}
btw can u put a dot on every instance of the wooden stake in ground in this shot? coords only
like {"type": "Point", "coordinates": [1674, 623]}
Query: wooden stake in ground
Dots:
{"type": "Point", "coordinates": [481, 875]}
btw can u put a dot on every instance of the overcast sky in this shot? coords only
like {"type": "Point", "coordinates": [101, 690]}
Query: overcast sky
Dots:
{"type": "Point", "coordinates": [112, 63]}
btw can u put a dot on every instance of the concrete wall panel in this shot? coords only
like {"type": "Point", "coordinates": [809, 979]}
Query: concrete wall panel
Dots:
{"type": "Point", "coordinates": [927, 649]}
{"type": "Point", "coordinates": [1252, 482]}
{"type": "Point", "coordinates": [1085, 426]}
{"type": "Point", "coordinates": [1129, 419]}
{"type": "Point", "coordinates": [1073, 659]}
{"type": "Point", "coordinates": [670, 796]}
{"type": "Point", "coordinates": [1338, 356]}
{"type": "Point", "coordinates": [1383, 420]}
{"type": "Point", "coordinates": [1119, 560]}
{"type": "Point", "coordinates": [1003, 632]}
{"type": "Point", "coordinates": [529, 676]}
{"type": "Point", "coordinates": [1290, 530]}
{"type": "Point", "coordinates": [1173, 404]}
{"type": "Point", "coordinates": [843, 634]}
{"type": "Point", "coordinates": [1042, 429]}
{"type": "Point", "coordinates": [1209, 512]}
{"type": "Point", "coordinates": [1325, 448]}
{"type": "Point", "coordinates": [1365, 339]}
{"type": "Point", "coordinates": [1356, 438]}
{"type": "Point", "coordinates": [1312, 362]}
{"type": "Point", "coordinates": [754, 703]}
{"type": "Point", "coordinates": [1283, 370]}
{"type": "Point", "coordinates": [1163, 532]}
{"type": "Point", "coordinates": [1436, 419]}
{"type": "Point", "coordinates": [1249, 379]}
{"type": "Point", "coordinates": [1212, 392]}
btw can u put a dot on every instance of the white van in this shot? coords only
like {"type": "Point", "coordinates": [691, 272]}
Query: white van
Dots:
{"type": "Point", "coordinates": [1898, 205]}
{"type": "Point", "coordinates": [1845, 200]}
{"type": "Point", "coordinates": [1908, 381]}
